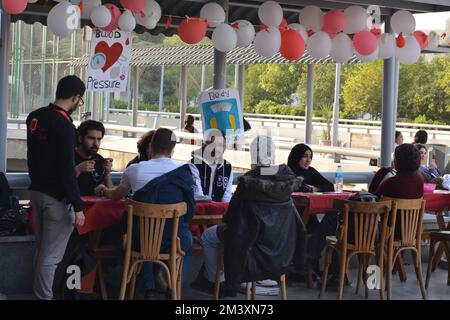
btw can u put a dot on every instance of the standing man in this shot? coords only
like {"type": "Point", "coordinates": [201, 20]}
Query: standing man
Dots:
{"type": "Point", "coordinates": [91, 168]}
{"type": "Point", "coordinates": [54, 192]}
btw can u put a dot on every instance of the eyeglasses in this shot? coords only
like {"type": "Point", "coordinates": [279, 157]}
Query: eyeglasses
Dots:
{"type": "Point", "coordinates": [81, 103]}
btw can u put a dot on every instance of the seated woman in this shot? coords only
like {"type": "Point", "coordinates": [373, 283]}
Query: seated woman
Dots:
{"type": "Point", "coordinates": [144, 148]}
{"type": "Point", "coordinates": [299, 161]}
{"type": "Point", "coordinates": [430, 172]}
{"type": "Point", "coordinates": [381, 175]}
{"type": "Point", "coordinates": [261, 230]}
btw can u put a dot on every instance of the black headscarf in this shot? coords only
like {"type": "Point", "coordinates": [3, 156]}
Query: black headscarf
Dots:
{"type": "Point", "coordinates": [311, 176]}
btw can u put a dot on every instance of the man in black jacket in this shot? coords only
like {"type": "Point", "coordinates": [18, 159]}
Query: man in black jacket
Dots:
{"type": "Point", "coordinates": [54, 192]}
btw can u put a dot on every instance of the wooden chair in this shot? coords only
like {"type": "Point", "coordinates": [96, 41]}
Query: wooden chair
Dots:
{"type": "Point", "coordinates": [444, 238]}
{"type": "Point", "coordinates": [366, 217]}
{"type": "Point", "coordinates": [409, 214]}
{"type": "Point", "coordinates": [152, 219]}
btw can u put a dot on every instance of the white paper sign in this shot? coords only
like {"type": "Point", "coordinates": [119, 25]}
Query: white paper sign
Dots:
{"type": "Point", "coordinates": [109, 61]}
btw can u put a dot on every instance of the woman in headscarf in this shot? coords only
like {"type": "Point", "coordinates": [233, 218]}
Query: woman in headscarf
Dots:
{"type": "Point", "coordinates": [299, 161]}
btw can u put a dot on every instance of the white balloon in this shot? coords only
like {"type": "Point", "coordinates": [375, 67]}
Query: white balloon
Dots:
{"type": "Point", "coordinates": [32, 1]}
{"type": "Point", "coordinates": [245, 33]}
{"type": "Point", "coordinates": [319, 45]}
{"type": "Point", "coordinates": [213, 13]}
{"type": "Point", "coordinates": [371, 57]}
{"type": "Point", "coordinates": [312, 18]}
{"type": "Point", "coordinates": [268, 42]}
{"type": "Point", "coordinates": [63, 19]}
{"type": "Point", "coordinates": [403, 21]}
{"type": "Point", "coordinates": [152, 10]}
{"type": "Point", "coordinates": [224, 38]}
{"type": "Point", "coordinates": [101, 17]}
{"type": "Point", "coordinates": [433, 40]}
{"type": "Point", "coordinates": [386, 46]}
{"type": "Point", "coordinates": [300, 29]}
{"type": "Point", "coordinates": [341, 48]}
{"type": "Point", "coordinates": [410, 53]}
{"type": "Point", "coordinates": [148, 22]}
{"type": "Point", "coordinates": [356, 19]}
{"type": "Point", "coordinates": [270, 13]}
{"type": "Point", "coordinates": [127, 22]}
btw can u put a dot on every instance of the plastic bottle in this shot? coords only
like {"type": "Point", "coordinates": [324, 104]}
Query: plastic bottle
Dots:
{"type": "Point", "coordinates": [339, 179]}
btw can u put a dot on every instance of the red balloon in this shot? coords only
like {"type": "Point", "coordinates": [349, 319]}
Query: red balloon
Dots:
{"type": "Point", "coordinates": [421, 38]}
{"type": "Point", "coordinates": [115, 16]}
{"type": "Point", "coordinates": [135, 6]}
{"type": "Point", "coordinates": [192, 30]}
{"type": "Point", "coordinates": [283, 26]}
{"type": "Point", "coordinates": [333, 21]}
{"type": "Point", "coordinates": [365, 42]}
{"type": "Point", "coordinates": [14, 6]}
{"type": "Point", "coordinates": [292, 45]}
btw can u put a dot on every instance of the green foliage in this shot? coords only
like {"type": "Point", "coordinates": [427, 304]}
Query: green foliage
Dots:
{"type": "Point", "coordinates": [326, 111]}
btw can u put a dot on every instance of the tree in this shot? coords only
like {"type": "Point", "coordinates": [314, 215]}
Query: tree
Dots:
{"type": "Point", "coordinates": [362, 90]}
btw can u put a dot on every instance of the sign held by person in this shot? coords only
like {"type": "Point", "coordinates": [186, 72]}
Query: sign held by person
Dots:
{"type": "Point", "coordinates": [109, 61]}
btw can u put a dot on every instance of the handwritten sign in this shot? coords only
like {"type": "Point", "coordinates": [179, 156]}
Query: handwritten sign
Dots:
{"type": "Point", "coordinates": [109, 61]}
{"type": "Point", "coordinates": [221, 109]}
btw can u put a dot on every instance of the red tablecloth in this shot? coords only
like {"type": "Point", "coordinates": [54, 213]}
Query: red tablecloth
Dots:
{"type": "Point", "coordinates": [208, 208]}
{"type": "Point", "coordinates": [101, 213]}
{"type": "Point", "coordinates": [437, 201]}
{"type": "Point", "coordinates": [322, 202]}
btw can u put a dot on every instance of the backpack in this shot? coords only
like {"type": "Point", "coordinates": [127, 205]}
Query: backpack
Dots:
{"type": "Point", "coordinates": [11, 219]}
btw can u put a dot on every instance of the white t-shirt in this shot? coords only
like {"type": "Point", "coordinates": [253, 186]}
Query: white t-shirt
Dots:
{"type": "Point", "coordinates": [138, 175]}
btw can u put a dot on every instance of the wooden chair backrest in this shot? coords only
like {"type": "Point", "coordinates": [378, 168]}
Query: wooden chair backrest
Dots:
{"type": "Point", "coordinates": [410, 213]}
{"type": "Point", "coordinates": [152, 219]}
{"type": "Point", "coordinates": [366, 217]}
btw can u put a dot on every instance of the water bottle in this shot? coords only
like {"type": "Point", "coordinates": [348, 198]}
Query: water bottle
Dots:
{"type": "Point", "coordinates": [339, 179]}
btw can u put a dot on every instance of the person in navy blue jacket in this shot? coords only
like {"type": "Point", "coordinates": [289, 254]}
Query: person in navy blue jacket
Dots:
{"type": "Point", "coordinates": [160, 180]}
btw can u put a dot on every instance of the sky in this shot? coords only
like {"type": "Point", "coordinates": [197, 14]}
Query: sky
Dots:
{"type": "Point", "coordinates": [432, 21]}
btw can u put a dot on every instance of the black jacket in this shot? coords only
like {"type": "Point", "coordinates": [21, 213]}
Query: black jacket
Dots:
{"type": "Point", "coordinates": [51, 146]}
{"type": "Point", "coordinates": [263, 228]}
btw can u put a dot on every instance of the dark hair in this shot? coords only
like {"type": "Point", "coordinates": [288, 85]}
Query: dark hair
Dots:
{"type": "Point", "coordinates": [143, 143]}
{"type": "Point", "coordinates": [420, 146]}
{"type": "Point", "coordinates": [188, 120]}
{"type": "Point", "coordinates": [88, 125]}
{"type": "Point", "coordinates": [421, 136]}
{"type": "Point", "coordinates": [297, 152]}
{"type": "Point", "coordinates": [407, 158]}
{"type": "Point", "coordinates": [70, 86]}
{"type": "Point", "coordinates": [163, 141]}
{"type": "Point", "coordinates": [397, 133]}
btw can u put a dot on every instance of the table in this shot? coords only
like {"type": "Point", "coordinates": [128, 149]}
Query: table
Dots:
{"type": "Point", "coordinates": [314, 203]}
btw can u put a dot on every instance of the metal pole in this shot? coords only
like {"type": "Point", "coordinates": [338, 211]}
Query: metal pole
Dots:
{"type": "Point", "coordinates": [241, 82]}
{"type": "Point", "coordinates": [183, 95]}
{"type": "Point", "coordinates": [220, 58]}
{"type": "Point", "coordinates": [397, 79]}
{"type": "Point", "coordinates": [387, 113]}
{"type": "Point", "coordinates": [337, 89]}
{"type": "Point", "coordinates": [43, 56]}
{"type": "Point", "coordinates": [309, 103]}
{"type": "Point", "coordinates": [202, 82]}
{"type": "Point", "coordinates": [5, 24]}
{"type": "Point", "coordinates": [135, 97]}
{"type": "Point", "coordinates": [161, 98]}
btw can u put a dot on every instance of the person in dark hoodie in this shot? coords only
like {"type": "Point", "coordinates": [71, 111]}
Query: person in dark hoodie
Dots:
{"type": "Point", "coordinates": [261, 229]}
{"type": "Point", "coordinates": [160, 180]}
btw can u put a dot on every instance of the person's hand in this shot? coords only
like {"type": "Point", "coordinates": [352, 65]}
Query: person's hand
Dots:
{"type": "Point", "coordinates": [432, 166]}
{"type": "Point", "coordinates": [85, 166]}
{"type": "Point", "coordinates": [314, 189]}
{"type": "Point", "coordinates": [100, 190]}
{"type": "Point", "coordinates": [108, 165]}
{"type": "Point", "coordinates": [79, 219]}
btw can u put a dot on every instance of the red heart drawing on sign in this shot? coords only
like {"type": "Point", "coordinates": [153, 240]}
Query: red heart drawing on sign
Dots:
{"type": "Point", "coordinates": [112, 53]}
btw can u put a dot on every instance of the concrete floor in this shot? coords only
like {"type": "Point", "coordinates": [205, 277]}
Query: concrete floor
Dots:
{"type": "Point", "coordinates": [409, 290]}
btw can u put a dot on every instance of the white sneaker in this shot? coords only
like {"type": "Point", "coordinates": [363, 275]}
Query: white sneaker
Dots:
{"type": "Point", "coordinates": [267, 283]}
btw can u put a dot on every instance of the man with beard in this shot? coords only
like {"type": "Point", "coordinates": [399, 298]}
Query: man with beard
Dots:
{"type": "Point", "coordinates": [91, 168]}
{"type": "Point", "coordinates": [54, 192]}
